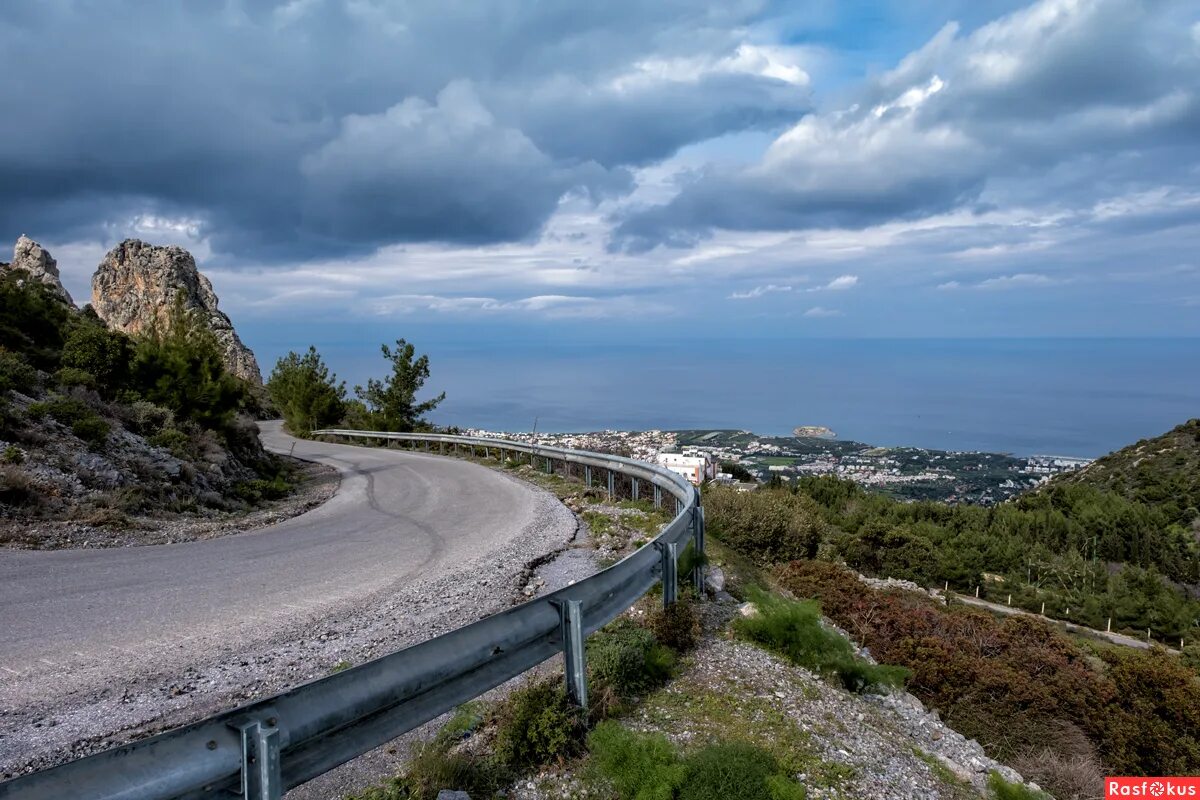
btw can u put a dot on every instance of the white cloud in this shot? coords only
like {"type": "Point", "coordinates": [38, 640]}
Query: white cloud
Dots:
{"type": "Point", "coordinates": [759, 291]}
{"type": "Point", "coordinates": [552, 306]}
{"type": "Point", "coordinates": [840, 283]}
{"type": "Point", "coordinates": [1020, 280]}
{"type": "Point", "coordinates": [819, 312]}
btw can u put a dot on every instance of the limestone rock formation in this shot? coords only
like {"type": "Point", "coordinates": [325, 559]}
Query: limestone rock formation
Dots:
{"type": "Point", "coordinates": [137, 283]}
{"type": "Point", "coordinates": [34, 259]}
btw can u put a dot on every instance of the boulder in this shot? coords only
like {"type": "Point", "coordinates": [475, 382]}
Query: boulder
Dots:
{"type": "Point", "coordinates": [136, 285]}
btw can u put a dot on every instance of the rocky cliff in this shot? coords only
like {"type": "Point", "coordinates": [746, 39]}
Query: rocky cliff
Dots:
{"type": "Point", "coordinates": [34, 259]}
{"type": "Point", "coordinates": [136, 284]}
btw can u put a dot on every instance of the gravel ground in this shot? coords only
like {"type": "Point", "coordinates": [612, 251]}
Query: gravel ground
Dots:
{"type": "Point", "coordinates": [317, 483]}
{"type": "Point", "coordinates": [200, 676]}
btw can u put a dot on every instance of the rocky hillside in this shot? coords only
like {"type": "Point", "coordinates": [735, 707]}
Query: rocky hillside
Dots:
{"type": "Point", "coordinates": [1163, 471]}
{"type": "Point", "coordinates": [136, 285]}
{"type": "Point", "coordinates": [109, 438]}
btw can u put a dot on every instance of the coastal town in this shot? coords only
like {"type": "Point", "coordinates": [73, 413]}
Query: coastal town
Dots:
{"type": "Point", "coordinates": [748, 459]}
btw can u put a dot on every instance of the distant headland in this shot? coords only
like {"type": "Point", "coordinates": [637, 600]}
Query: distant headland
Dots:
{"type": "Point", "coordinates": [814, 432]}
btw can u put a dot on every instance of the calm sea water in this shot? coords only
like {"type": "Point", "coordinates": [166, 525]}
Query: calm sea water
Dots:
{"type": "Point", "coordinates": [1080, 397]}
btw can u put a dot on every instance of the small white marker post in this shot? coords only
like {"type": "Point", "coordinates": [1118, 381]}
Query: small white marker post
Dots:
{"type": "Point", "coordinates": [1109, 628]}
{"type": "Point", "coordinates": [1043, 608]}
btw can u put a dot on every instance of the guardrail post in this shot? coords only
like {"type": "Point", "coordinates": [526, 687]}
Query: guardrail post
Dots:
{"type": "Point", "coordinates": [670, 572]}
{"type": "Point", "coordinates": [587, 476]}
{"type": "Point", "coordinates": [261, 778]}
{"type": "Point", "coordinates": [574, 667]}
{"type": "Point", "coordinates": [549, 466]}
{"type": "Point", "coordinates": [633, 489]}
{"type": "Point", "coordinates": [657, 496]}
{"type": "Point", "coordinates": [698, 546]}
{"type": "Point", "coordinates": [612, 483]}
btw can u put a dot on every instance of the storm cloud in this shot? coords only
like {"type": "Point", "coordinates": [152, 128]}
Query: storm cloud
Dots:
{"type": "Point", "coordinates": [309, 128]}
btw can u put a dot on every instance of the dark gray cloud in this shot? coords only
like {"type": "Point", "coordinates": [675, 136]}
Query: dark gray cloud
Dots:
{"type": "Point", "coordinates": [1059, 103]}
{"type": "Point", "coordinates": [325, 127]}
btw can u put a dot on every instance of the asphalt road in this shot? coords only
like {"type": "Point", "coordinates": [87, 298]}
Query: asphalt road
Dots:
{"type": "Point", "coordinates": [396, 516]}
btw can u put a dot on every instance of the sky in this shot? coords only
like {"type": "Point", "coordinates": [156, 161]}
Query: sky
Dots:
{"type": "Point", "coordinates": [488, 173]}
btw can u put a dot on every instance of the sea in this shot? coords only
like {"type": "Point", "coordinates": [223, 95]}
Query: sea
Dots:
{"type": "Point", "coordinates": [1033, 396]}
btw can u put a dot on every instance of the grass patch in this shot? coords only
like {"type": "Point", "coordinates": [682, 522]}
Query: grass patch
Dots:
{"type": "Point", "coordinates": [599, 524]}
{"type": "Point", "coordinates": [793, 629]}
{"type": "Point", "coordinates": [641, 766]}
{"type": "Point", "coordinates": [741, 715]}
{"type": "Point", "coordinates": [1001, 789]}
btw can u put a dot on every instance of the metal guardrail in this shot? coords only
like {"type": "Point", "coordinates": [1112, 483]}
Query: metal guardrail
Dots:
{"type": "Point", "coordinates": [264, 748]}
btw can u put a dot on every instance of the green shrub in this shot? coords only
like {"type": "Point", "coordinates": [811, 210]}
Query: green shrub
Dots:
{"type": "Point", "coordinates": [1005, 790]}
{"type": "Point", "coordinates": [92, 430]}
{"type": "Point", "coordinates": [16, 373]}
{"type": "Point", "coordinates": [173, 440]}
{"type": "Point", "coordinates": [72, 376]}
{"type": "Point", "coordinates": [767, 526]}
{"type": "Point", "coordinates": [13, 455]}
{"type": "Point", "coordinates": [148, 418]}
{"type": "Point", "coordinates": [32, 319]}
{"type": "Point", "coordinates": [646, 766]}
{"type": "Point", "coordinates": [793, 629]}
{"type": "Point", "coordinates": [179, 365]}
{"type": "Point", "coordinates": [67, 410]}
{"type": "Point", "coordinates": [17, 489]}
{"type": "Point", "coordinates": [433, 768]}
{"type": "Point", "coordinates": [627, 659]}
{"type": "Point", "coordinates": [105, 354]}
{"type": "Point", "coordinates": [677, 626]}
{"type": "Point", "coordinates": [536, 725]}
{"type": "Point", "coordinates": [38, 411]}
{"type": "Point", "coordinates": [259, 489]}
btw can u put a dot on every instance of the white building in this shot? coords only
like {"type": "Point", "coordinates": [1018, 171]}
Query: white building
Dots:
{"type": "Point", "coordinates": [696, 468]}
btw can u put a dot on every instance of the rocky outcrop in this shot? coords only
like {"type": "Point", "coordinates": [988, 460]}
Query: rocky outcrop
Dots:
{"type": "Point", "coordinates": [136, 285]}
{"type": "Point", "coordinates": [34, 259]}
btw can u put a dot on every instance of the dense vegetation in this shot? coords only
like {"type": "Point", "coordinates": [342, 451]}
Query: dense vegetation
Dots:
{"type": "Point", "coordinates": [1063, 714]}
{"type": "Point", "coordinates": [1088, 553]}
{"type": "Point", "coordinates": [310, 397]}
{"type": "Point", "coordinates": [1162, 473]}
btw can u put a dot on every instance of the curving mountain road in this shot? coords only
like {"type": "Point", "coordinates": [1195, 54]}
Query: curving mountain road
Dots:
{"type": "Point", "coordinates": [77, 624]}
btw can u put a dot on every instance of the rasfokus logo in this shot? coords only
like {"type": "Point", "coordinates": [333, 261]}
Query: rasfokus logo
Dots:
{"type": "Point", "coordinates": [1151, 787]}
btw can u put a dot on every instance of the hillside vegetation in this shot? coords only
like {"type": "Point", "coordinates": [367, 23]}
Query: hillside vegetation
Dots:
{"type": "Point", "coordinates": [97, 426]}
{"type": "Point", "coordinates": [1163, 472]}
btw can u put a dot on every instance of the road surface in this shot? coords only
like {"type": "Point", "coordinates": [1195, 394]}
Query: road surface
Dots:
{"type": "Point", "coordinates": [79, 627]}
